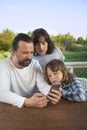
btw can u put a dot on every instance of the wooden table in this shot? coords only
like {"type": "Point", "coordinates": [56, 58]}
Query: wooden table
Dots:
{"type": "Point", "coordinates": [65, 115]}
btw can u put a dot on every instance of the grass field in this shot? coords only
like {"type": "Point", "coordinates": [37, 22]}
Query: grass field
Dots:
{"type": "Point", "coordinates": [77, 56]}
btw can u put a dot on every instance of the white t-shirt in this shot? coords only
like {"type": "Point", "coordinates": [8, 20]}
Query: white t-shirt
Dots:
{"type": "Point", "coordinates": [16, 84]}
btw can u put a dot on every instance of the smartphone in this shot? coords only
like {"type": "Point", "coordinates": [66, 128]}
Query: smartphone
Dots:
{"type": "Point", "coordinates": [56, 86]}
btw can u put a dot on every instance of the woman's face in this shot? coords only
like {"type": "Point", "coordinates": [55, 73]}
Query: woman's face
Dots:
{"type": "Point", "coordinates": [41, 47]}
{"type": "Point", "coordinates": [54, 76]}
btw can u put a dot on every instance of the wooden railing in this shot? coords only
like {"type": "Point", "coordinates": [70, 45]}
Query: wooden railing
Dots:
{"type": "Point", "coordinates": [72, 65]}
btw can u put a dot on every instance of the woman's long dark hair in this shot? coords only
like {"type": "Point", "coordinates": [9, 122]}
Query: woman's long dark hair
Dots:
{"type": "Point", "coordinates": [36, 34]}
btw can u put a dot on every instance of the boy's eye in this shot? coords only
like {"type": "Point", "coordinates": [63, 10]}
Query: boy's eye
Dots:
{"type": "Point", "coordinates": [55, 73]}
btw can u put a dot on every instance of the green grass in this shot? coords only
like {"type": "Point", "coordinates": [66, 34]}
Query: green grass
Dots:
{"type": "Point", "coordinates": [80, 55]}
{"type": "Point", "coordinates": [76, 56]}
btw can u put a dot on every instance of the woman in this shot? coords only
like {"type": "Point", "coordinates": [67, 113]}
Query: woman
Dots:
{"type": "Point", "coordinates": [45, 50]}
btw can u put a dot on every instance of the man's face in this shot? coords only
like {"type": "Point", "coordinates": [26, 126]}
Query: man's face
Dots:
{"type": "Point", "coordinates": [23, 55]}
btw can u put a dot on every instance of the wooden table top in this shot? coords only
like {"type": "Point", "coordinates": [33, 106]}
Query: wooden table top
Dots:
{"type": "Point", "coordinates": [65, 115]}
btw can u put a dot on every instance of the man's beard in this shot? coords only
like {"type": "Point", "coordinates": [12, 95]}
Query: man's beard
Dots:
{"type": "Point", "coordinates": [25, 63]}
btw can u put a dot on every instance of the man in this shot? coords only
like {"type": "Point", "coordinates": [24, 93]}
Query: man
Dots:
{"type": "Point", "coordinates": [20, 73]}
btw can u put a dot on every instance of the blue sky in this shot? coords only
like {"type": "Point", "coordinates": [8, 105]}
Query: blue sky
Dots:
{"type": "Point", "coordinates": [56, 16]}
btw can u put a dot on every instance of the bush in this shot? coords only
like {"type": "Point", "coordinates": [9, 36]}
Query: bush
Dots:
{"type": "Point", "coordinates": [4, 54]}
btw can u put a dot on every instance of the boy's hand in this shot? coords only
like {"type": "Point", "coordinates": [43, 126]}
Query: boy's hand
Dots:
{"type": "Point", "coordinates": [54, 95]}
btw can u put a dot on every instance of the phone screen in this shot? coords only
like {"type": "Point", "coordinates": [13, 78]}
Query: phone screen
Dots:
{"type": "Point", "coordinates": [56, 86]}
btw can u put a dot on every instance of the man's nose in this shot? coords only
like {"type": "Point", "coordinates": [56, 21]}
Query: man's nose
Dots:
{"type": "Point", "coordinates": [29, 56]}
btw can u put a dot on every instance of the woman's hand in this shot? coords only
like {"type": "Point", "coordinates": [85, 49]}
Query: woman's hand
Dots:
{"type": "Point", "coordinates": [54, 95]}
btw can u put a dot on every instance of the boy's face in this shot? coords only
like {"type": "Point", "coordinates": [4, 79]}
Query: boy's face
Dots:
{"type": "Point", "coordinates": [54, 76]}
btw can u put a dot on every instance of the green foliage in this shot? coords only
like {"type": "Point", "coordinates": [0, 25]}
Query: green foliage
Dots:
{"type": "Point", "coordinates": [80, 40]}
{"type": "Point", "coordinates": [29, 33]}
{"type": "Point", "coordinates": [78, 55]}
{"type": "Point", "coordinates": [81, 72]}
{"type": "Point", "coordinates": [85, 43]}
{"type": "Point", "coordinates": [6, 38]}
{"type": "Point", "coordinates": [65, 42]}
{"type": "Point", "coordinates": [68, 42]}
{"type": "Point", "coordinates": [4, 54]}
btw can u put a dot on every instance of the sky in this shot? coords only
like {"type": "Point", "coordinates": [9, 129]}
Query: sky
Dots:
{"type": "Point", "coordinates": [56, 16]}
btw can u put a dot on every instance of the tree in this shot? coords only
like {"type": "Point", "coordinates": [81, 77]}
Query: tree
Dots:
{"type": "Point", "coordinates": [29, 33]}
{"type": "Point", "coordinates": [85, 43]}
{"type": "Point", "coordinates": [6, 38]}
{"type": "Point", "coordinates": [80, 41]}
{"type": "Point", "coordinates": [64, 41]}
